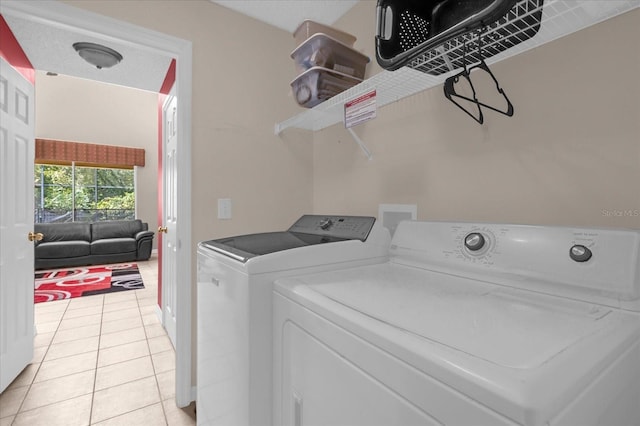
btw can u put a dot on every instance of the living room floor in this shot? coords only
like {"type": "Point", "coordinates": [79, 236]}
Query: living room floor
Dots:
{"type": "Point", "coordinates": [99, 360]}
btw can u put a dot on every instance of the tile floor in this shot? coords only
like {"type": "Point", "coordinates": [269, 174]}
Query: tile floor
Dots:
{"type": "Point", "coordinates": [99, 360]}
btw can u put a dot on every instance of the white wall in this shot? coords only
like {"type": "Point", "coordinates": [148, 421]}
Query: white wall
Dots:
{"type": "Point", "coordinates": [73, 109]}
{"type": "Point", "coordinates": [241, 75]}
{"type": "Point", "coordinates": [241, 70]}
{"type": "Point", "coordinates": [569, 156]}
{"type": "Point", "coordinates": [570, 152]}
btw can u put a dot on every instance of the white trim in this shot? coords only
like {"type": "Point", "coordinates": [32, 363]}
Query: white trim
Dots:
{"type": "Point", "coordinates": [60, 15]}
{"type": "Point", "coordinates": [158, 313]}
{"type": "Point", "coordinates": [135, 192]}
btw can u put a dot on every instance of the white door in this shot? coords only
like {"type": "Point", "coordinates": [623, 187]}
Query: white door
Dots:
{"type": "Point", "coordinates": [169, 214]}
{"type": "Point", "coordinates": [17, 153]}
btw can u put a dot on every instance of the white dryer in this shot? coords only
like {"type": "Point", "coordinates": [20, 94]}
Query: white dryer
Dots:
{"type": "Point", "coordinates": [467, 324]}
{"type": "Point", "coordinates": [235, 283]}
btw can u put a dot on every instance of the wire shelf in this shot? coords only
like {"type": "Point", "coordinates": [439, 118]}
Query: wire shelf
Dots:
{"type": "Point", "coordinates": [521, 23]}
{"type": "Point", "coordinates": [559, 18]}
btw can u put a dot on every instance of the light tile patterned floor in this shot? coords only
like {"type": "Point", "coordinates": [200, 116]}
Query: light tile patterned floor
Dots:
{"type": "Point", "coordinates": [99, 360]}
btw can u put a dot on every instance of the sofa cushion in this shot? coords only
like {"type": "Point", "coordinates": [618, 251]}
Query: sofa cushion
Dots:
{"type": "Point", "coordinates": [62, 249]}
{"type": "Point", "coordinates": [114, 246]}
{"type": "Point", "coordinates": [115, 229]}
{"type": "Point", "coordinates": [80, 231]}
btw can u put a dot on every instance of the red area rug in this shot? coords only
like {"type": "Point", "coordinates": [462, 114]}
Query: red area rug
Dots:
{"type": "Point", "coordinates": [57, 284]}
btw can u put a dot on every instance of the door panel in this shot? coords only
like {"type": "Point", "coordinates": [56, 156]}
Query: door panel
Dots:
{"type": "Point", "coordinates": [170, 216]}
{"type": "Point", "coordinates": [17, 149]}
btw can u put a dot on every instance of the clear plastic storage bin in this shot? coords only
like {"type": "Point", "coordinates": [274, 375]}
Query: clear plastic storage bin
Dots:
{"type": "Point", "coordinates": [309, 28]}
{"type": "Point", "coordinates": [322, 50]}
{"type": "Point", "coordinates": [318, 84]}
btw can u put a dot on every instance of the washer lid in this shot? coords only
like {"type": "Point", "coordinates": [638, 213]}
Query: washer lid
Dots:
{"type": "Point", "coordinates": [506, 327]}
{"type": "Point", "coordinates": [308, 230]}
{"type": "Point", "coordinates": [244, 247]}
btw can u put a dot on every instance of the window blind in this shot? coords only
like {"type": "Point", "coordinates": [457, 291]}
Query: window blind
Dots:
{"type": "Point", "coordinates": [61, 152]}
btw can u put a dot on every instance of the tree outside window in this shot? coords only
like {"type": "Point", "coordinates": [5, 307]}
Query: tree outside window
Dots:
{"type": "Point", "coordinates": [79, 193]}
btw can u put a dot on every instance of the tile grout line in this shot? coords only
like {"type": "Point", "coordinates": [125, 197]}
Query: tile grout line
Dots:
{"type": "Point", "coordinates": [142, 299]}
{"type": "Point", "coordinates": [40, 363]}
{"type": "Point", "coordinates": [95, 371]}
{"type": "Point", "coordinates": [94, 390]}
{"type": "Point", "coordinates": [95, 377]}
{"type": "Point", "coordinates": [153, 365]}
{"type": "Point", "coordinates": [51, 343]}
{"type": "Point", "coordinates": [123, 414]}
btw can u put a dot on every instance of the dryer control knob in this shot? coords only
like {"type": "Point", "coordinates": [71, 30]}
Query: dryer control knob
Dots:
{"type": "Point", "coordinates": [580, 253]}
{"type": "Point", "coordinates": [474, 241]}
{"type": "Point", "coordinates": [326, 223]}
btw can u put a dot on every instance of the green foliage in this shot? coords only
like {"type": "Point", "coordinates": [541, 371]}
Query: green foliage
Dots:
{"type": "Point", "coordinates": [57, 192]}
{"type": "Point", "coordinates": [126, 201]}
{"type": "Point", "coordinates": [95, 188]}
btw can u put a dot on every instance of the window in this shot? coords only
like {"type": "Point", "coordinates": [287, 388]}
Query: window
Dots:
{"type": "Point", "coordinates": [77, 193]}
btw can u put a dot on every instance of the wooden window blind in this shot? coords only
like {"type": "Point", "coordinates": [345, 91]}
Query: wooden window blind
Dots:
{"type": "Point", "coordinates": [64, 152]}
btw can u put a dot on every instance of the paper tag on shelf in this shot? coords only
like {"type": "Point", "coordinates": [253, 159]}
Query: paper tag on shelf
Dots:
{"type": "Point", "coordinates": [360, 109]}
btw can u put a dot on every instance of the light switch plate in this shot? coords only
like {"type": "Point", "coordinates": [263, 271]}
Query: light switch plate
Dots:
{"type": "Point", "coordinates": [224, 208]}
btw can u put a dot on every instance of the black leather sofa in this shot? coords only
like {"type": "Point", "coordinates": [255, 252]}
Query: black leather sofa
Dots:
{"type": "Point", "coordinates": [84, 243]}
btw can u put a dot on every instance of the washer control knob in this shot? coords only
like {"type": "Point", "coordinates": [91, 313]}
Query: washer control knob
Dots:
{"type": "Point", "coordinates": [326, 223]}
{"type": "Point", "coordinates": [580, 253]}
{"type": "Point", "coordinates": [474, 241]}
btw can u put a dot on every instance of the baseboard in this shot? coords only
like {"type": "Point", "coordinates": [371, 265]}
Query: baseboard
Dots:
{"type": "Point", "coordinates": [159, 314]}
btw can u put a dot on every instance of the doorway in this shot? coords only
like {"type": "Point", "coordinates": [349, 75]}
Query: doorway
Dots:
{"type": "Point", "coordinates": [103, 28]}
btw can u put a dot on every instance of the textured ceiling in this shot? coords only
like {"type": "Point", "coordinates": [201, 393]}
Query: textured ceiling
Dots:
{"type": "Point", "coordinates": [288, 14]}
{"type": "Point", "coordinates": [49, 47]}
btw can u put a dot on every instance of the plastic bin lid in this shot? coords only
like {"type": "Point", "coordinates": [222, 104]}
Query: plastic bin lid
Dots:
{"type": "Point", "coordinates": [313, 27]}
{"type": "Point", "coordinates": [330, 40]}
{"type": "Point", "coordinates": [327, 71]}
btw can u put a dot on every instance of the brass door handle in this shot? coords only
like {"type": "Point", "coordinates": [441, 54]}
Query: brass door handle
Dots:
{"type": "Point", "coordinates": [162, 229]}
{"type": "Point", "coordinates": [35, 236]}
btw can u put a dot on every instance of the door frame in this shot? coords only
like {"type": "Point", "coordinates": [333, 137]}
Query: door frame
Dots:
{"type": "Point", "coordinates": [60, 15]}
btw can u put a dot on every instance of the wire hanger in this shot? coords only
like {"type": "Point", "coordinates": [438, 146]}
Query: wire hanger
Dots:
{"type": "Point", "coordinates": [450, 92]}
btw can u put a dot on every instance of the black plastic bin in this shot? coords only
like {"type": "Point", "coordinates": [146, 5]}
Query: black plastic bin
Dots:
{"type": "Point", "coordinates": [409, 29]}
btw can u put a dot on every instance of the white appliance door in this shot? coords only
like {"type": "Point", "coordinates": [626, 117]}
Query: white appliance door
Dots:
{"type": "Point", "coordinates": [17, 152]}
{"type": "Point", "coordinates": [223, 344]}
{"type": "Point", "coordinates": [524, 355]}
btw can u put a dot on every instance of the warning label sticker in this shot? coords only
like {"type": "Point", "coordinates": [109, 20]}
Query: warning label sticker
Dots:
{"type": "Point", "coordinates": [360, 109]}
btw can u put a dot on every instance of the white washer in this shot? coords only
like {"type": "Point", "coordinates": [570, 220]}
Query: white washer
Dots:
{"type": "Point", "coordinates": [235, 283]}
{"type": "Point", "coordinates": [466, 324]}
